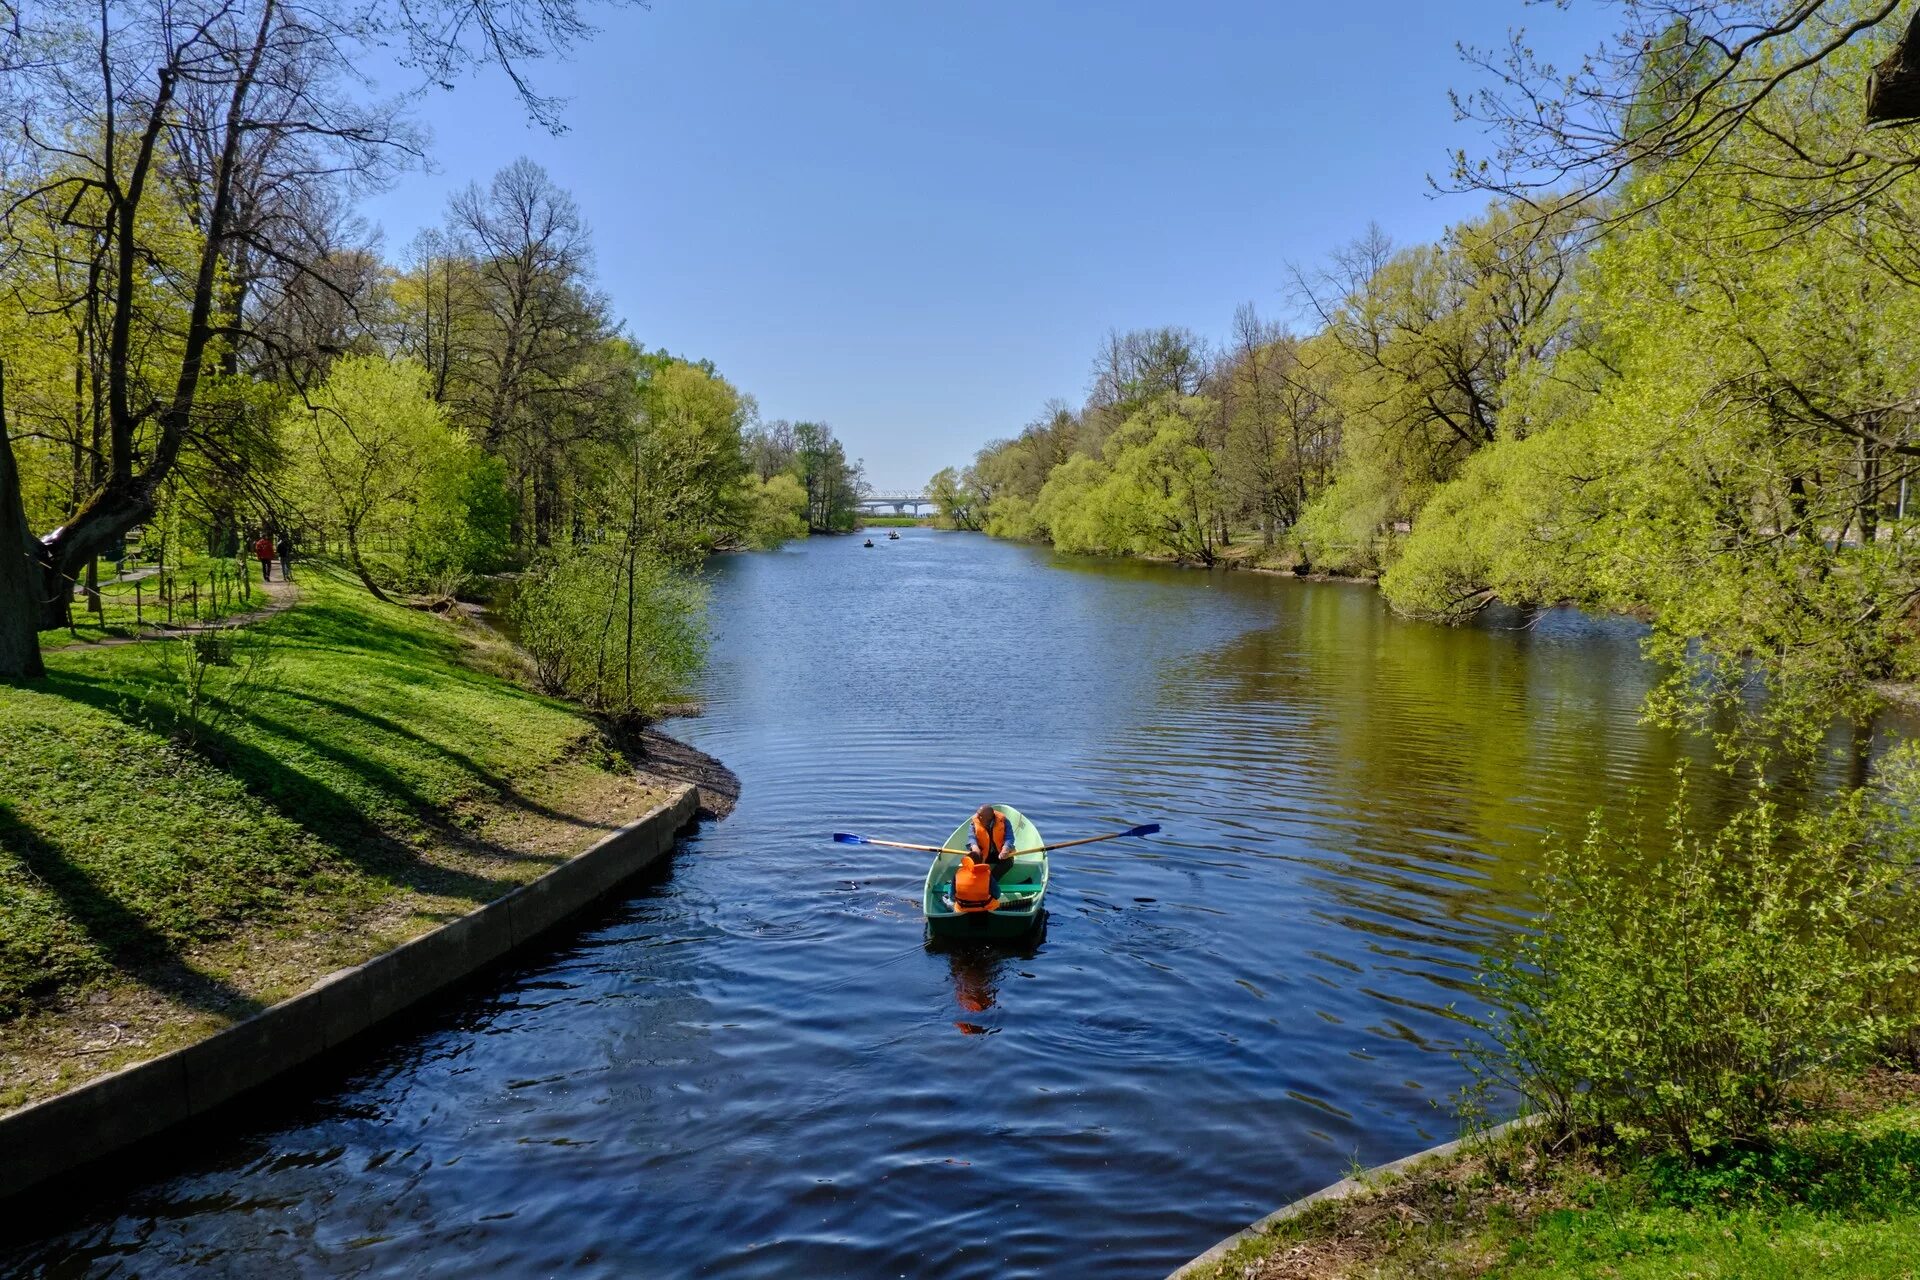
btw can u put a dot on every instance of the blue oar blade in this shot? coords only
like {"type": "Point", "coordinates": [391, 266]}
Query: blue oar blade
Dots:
{"type": "Point", "coordinates": [841, 837]}
{"type": "Point", "coordinates": [1146, 829]}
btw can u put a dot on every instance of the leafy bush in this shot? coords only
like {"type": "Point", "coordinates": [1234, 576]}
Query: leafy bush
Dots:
{"type": "Point", "coordinates": [616, 628]}
{"type": "Point", "coordinates": [1828, 1170]}
{"type": "Point", "coordinates": [1341, 530]}
{"type": "Point", "coordinates": [462, 521]}
{"type": "Point", "coordinates": [1674, 989]}
{"type": "Point", "coordinates": [778, 511]}
{"type": "Point", "coordinates": [206, 681]}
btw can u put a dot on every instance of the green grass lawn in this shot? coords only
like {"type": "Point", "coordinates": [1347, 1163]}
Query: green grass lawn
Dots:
{"type": "Point", "coordinates": [1837, 1198]}
{"type": "Point", "coordinates": [128, 836]}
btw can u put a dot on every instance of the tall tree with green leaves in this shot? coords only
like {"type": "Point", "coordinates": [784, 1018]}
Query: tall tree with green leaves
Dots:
{"type": "Point", "coordinates": [121, 111]}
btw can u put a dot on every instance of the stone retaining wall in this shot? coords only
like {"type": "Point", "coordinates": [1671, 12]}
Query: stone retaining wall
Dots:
{"type": "Point", "coordinates": [62, 1133]}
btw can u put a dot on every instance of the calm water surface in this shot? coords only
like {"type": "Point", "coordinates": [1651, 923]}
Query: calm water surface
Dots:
{"type": "Point", "coordinates": [755, 1066]}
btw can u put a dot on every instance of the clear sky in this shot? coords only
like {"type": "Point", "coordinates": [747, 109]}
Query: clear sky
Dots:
{"type": "Point", "coordinates": [915, 221]}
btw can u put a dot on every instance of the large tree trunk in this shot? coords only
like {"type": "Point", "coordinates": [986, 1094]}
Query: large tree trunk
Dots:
{"type": "Point", "coordinates": [126, 498]}
{"type": "Point", "coordinates": [19, 607]}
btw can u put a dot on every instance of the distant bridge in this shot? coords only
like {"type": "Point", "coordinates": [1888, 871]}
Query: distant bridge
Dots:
{"type": "Point", "coordinates": [873, 503]}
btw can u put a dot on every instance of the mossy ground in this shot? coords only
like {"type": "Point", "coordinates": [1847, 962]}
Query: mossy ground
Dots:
{"type": "Point", "coordinates": [1836, 1196]}
{"type": "Point", "coordinates": [160, 878]}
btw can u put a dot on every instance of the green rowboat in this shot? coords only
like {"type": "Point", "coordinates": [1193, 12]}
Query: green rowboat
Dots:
{"type": "Point", "coordinates": [1022, 888]}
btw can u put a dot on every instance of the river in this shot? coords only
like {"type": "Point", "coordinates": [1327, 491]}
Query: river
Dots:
{"type": "Point", "coordinates": [754, 1066]}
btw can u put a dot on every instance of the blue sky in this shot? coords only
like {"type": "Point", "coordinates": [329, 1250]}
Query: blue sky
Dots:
{"type": "Point", "coordinates": [916, 221]}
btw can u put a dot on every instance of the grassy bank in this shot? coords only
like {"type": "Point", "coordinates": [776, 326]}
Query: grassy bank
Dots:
{"type": "Point", "coordinates": [1835, 1196]}
{"type": "Point", "coordinates": [166, 869]}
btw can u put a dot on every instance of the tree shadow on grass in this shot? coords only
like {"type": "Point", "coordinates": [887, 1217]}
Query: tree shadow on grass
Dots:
{"type": "Point", "coordinates": [503, 788]}
{"type": "Point", "coordinates": [311, 804]}
{"type": "Point", "coordinates": [119, 934]}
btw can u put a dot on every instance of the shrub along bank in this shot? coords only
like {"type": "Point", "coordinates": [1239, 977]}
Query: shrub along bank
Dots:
{"type": "Point", "coordinates": [1700, 1021]}
{"type": "Point", "coordinates": [1833, 1197]}
{"type": "Point", "coordinates": [192, 830]}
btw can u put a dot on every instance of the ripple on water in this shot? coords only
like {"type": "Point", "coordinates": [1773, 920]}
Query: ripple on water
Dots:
{"type": "Point", "coordinates": [756, 1066]}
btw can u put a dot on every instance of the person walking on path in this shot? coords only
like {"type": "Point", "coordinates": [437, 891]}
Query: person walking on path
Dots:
{"type": "Point", "coordinates": [264, 550]}
{"type": "Point", "coordinates": [285, 548]}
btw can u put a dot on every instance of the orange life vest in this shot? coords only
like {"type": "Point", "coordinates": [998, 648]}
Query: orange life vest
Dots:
{"type": "Point", "coordinates": [973, 887]}
{"type": "Point", "coordinates": [973, 881]}
{"type": "Point", "coordinates": [990, 840]}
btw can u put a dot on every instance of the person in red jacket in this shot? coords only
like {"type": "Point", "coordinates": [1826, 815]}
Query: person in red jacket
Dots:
{"type": "Point", "coordinates": [263, 551]}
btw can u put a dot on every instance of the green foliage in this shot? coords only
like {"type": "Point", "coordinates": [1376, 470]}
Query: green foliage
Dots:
{"type": "Point", "coordinates": [1016, 517]}
{"type": "Point", "coordinates": [1079, 508]}
{"type": "Point", "coordinates": [1673, 990]}
{"type": "Point", "coordinates": [832, 483]}
{"type": "Point", "coordinates": [1153, 490]}
{"type": "Point", "coordinates": [778, 511]}
{"type": "Point", "coordinates": [206, 682]}
{"type": "Point", "coordinates": [1486, 528]}
{"type": "Point", "coordinates": [463, 523]}
{"type": "Point", "coordinates": [616, 628]}
{"type": "Point", "coordinates": [1344, 530]}
{"type": "Point", "coordinates": [681, 483]}
{"type": "Point", "coordinates": [962, 504]}
{"type": "Point", "coordinates": [807, 452]}
{"type": "Point", "coordinates": [1826, 1168]}
{"type": "Point", "coordinates": [368, 448]}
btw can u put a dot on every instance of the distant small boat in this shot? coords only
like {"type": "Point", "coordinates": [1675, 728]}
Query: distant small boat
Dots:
{"type": "Point", "coordinates": [893, 537]}
{"type": "Point", "coordinates": [1022, 888]}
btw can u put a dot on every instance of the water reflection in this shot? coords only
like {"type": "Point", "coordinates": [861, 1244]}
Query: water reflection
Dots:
{"type": "Point", "coordinates": [978, 968]}
{"type": "Point", "coordinates": [751, 1067]}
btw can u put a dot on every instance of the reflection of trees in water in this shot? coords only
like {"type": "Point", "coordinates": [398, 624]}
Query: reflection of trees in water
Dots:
{"type": "Point", "coordinates": [1429, 762]}
{"type": "Point", "coordinates": [1410, 771]}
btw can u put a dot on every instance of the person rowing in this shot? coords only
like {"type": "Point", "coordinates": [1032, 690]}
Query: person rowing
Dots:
{"type": "Point", "coordinates": [976, 883]}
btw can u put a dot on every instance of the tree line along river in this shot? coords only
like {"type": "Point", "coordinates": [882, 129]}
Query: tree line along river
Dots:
{"type": "Point", "coordinates": [755, 1065]}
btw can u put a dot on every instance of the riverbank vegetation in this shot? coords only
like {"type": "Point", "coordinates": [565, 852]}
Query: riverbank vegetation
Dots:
{"type": "Point", "coordinates": [1663, 371]}
{"type": "Point", "coordinates": [192, 832]}
{"type": "Point", "coordinates": [200, 340]}
{"type": "Point", "coordinates": [1679, 389]}
{"type": "Point", "coordinates": [1831, 1195]}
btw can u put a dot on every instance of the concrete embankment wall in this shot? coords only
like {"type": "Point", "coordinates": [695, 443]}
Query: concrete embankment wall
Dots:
{"type": "Point", "coordinates": [1338, 1191]}
{"type": "Point", "coordinates": [104, 1115]}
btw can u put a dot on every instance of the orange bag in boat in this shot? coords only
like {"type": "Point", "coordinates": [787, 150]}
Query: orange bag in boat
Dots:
{"type": "Point", "coordinates": [973, 887]}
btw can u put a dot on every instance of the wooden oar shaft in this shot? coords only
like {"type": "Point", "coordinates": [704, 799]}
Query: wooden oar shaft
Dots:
{"type": "Point", "coordinates": [918, 848]}
{"type": "Point", "coordinates": [1045, 848]}
{"type": "Point", "coordinates": [1068, 844]}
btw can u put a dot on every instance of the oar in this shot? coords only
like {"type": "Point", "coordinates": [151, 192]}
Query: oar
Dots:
{"type": "Point", "coordinates": [1146, 829]}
